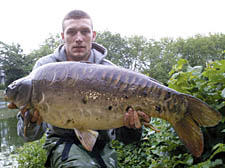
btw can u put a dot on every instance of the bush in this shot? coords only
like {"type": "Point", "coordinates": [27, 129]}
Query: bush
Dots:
{"type": "Point", "coordinates": [155, 150]}
{"type": "Point", "coordinates": [2, 86]}
{"type": "Point", "coordinates": [32, 154]}
{"type": "Point", "coordinates": [207, 84]}
{"type": "Point", "coordinates": [164, 149]}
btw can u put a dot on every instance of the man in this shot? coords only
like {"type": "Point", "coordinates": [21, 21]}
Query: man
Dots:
{"type": "Point", "coordinates": [64, 149]}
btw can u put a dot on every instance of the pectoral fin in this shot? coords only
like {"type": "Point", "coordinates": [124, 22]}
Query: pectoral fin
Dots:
{"type": "Point", "coordinates": [87, 138]}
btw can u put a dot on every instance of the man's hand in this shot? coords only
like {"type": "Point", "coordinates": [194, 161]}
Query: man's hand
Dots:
{"type": "Point", "coordinates": [35, 117]}
{"type": "Point", "coordinates": [132, 119]}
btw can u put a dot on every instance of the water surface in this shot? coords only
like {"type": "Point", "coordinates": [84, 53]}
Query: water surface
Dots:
{"type": "Point", "coordinates": [9, 140]}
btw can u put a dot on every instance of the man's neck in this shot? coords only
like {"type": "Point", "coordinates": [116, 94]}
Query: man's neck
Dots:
{"type": "Point", "coordinates": [78, 59]}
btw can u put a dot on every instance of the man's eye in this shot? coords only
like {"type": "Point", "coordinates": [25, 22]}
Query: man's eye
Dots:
{"type": "Point", "coordinates": [71, 32]}
{"type": "Point", "coordinates": [85, 31]}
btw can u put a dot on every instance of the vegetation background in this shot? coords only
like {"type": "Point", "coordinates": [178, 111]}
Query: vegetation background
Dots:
{"type": "Point", "coordinates": [195, 66]}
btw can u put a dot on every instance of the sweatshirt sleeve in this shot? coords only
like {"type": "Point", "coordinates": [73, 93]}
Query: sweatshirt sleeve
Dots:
{"type": "Point", "coordinates": [128, 135]}
{"type": "Point", "coordinates": [33, 132]}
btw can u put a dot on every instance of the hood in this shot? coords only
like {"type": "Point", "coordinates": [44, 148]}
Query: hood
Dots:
{"type": "Point", "coordinates": [98, 53]}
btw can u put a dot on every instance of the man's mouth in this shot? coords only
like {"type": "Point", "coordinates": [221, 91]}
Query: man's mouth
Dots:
{"type": "Point", "coordinates": [78, 47]}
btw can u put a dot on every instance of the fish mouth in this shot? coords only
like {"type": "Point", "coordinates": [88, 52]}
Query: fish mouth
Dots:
{"type": "Point", "coordinates": [11, 105]}
{"type": "Point", "coordinates": [6, 98]}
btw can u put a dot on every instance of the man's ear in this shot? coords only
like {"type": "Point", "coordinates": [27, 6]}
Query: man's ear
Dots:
{"type": "Point", "coordinates": [94, 35]}
{"type": "Point", "coordinates": [62, 36]}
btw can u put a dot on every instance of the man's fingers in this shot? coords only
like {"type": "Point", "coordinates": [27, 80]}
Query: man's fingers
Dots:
{"type": "Point", "coordinates": [23, 111]}
{"type": "Point", "coordinates": [137, 120]}
{"type": "Point", "coordinates": [35, 116]}
{"type": "Point", "coordinates": [144, 116]}
{"type": "Point", "coordinates": [151, 126]}
{"type": "Point", "coordinates": [126, 120]}
{"type": "Point", "coordinates": [131, 117]}
{"type": "Point", "coordinates": [39, 121]}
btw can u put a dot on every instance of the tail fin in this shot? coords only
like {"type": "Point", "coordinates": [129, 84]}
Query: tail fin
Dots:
{"type": "Point", "coordinates": [202, 113]}
{"type": "Point", "coordinates": [190, 134]}
{"type": "Point", "coordinates": [188, 128]}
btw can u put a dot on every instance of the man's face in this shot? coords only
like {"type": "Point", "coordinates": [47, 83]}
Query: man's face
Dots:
{"type": "Point", "coordinates": [78, 37]}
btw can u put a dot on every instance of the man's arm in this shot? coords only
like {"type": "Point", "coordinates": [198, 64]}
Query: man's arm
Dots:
{"type": "Point", "coordinates": [128, 135]}
{"type": "Point", "coordinates": [34, 130]}
{"type": "Point", "coordinates": [132, 131]}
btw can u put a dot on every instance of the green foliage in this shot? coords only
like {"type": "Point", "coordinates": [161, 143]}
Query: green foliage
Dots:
{"type": "Point", "coordinates": [155, 150]}
{"type": "Point", "coordinates": [207, 84]}
{"type": "Point", "coordinates": [14, 62]}
{"type": "Point", "coordinates": [164, 149]}
{"type": "Point", "coordinates": [32, 154]}
{"type": "Point", "coordinates": [117, 46]}
{"type": "Point", "coordinates": [156, 58]}
{"type": "Point", "coordinates": [200, 49]}
{"type": "Point", "coordinates": [2, 86]}
{"type": "Point", "coordinates": [47, 47]}
{"type": "Point", "coordinates": [210, 163]}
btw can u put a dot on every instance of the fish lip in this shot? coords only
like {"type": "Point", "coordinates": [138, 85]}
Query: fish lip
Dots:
{"type": "Point", "coordinates": [11, 105]}
{"type": "Point", "coordinates": [6, 98]}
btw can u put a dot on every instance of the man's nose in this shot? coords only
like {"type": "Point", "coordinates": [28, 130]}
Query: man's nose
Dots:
{"type": "Point", "coordinates": [78, 37]}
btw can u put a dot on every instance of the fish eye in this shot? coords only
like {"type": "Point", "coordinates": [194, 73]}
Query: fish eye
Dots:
{"type": "Point", "coordinates": [12, 85]}
{"type": "Point", "coordinates": [11, 91]}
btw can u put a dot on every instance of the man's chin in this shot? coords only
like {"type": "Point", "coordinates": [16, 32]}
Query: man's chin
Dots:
{"type": "Point", "coordinates": [78, 57]}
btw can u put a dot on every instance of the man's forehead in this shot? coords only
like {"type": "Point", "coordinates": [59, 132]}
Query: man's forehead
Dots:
{"type": "Point", "coordinates": [77, 23]}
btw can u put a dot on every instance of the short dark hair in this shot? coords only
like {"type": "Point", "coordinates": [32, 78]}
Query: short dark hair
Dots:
{"type": "Point", "coordinates": [76, 14]}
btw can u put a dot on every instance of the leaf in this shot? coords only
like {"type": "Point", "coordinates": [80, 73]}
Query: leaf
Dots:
{"type": "Point", "coordinates": [181, 63]}
{"type": "Point", "coordinates": [223, 93]}
{"type": "Point", "coordinates": [219, 148]}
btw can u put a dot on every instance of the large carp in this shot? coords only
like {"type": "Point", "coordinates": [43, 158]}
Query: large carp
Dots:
{"type": "Point", "coordinates": [89, 96]}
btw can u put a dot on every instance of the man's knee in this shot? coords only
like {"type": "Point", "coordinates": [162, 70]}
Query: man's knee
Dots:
{"type": "Point", "coordinates": [77, 157]}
